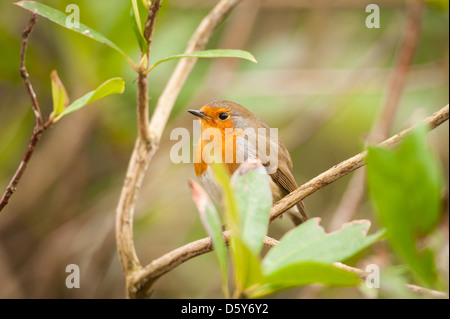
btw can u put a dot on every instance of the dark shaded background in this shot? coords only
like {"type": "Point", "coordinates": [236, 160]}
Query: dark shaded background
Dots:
{"type": "Point", "coordinates": [321, 79]}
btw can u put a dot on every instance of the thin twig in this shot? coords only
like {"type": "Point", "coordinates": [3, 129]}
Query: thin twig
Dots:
{"type": "Point", "coordinates": [142, 87]}
{"type": "Point", "coordinates": [414, 288]}
{"type": "Point", "coordinates": [355, 191]}
{"type": "Point", "coordinates": [39, 127]}
{"type": "Point", "coordinates": [150, 23]}
{"type": "Point", "coordinates": [345, 167]}
{"type": "Point", "coordinates": [146, 147]}
{"type": "Point", "coordinates": [24, 73]}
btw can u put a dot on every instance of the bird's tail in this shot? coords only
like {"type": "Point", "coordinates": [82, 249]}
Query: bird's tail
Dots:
{"type": "Point", "coordinates": [298, 214]}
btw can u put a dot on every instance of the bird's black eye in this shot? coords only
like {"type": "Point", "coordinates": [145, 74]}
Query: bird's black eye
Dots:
{"type": "Point", "coordinates": [223, 116]}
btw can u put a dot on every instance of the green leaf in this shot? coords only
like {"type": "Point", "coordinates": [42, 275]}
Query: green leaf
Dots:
{"type": "Point", "coordinates": [405, 187]}
{"type": "Point", "coordinates": [109, 87]}
{"type": "Point", "coordinates": [254, 198]}
{"type": "Point", "coordinates": [231, 210]}
{"type": "Point", "coordinates": [301, 274]}
{"type": "Point", "coordinates": [60, 18]}
{"type": "Point", "coordinates": [216, 53]}
{"type": "Point", "coordinates": [135, 11]}
{"type": "Point", "coordinates": [59, 95]}
{"type": "Point", "coordinates": [213, 226]}
{"type": "Point", "coordinates": [247, 265]}
{"type": "Point", "coordinates": [309, 242]}
{"type": "Point", "coordinates": [137, 25]}
{"type": "Point", "coordinates": [247, 268]}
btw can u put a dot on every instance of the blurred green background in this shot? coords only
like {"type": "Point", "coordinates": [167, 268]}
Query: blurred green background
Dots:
{"type": "Point", "coordinates": [321, 79]}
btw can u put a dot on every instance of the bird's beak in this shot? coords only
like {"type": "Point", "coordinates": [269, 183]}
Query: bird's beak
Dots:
{"type": "Point", "coordinates": [200, 114]}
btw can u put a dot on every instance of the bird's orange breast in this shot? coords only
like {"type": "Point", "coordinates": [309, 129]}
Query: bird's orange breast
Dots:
{"type": "Point", "coordinates": [223, 141]}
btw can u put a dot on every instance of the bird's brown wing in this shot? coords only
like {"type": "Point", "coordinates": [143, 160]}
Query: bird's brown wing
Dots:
{"type": "Point", "coordinates": [283, 177]}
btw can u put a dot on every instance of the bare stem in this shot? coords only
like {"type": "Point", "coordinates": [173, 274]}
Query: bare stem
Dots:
{"type": "Point", "coordinates": [138, 162]}
{"type": "Point", "coordinates": [416, 289]}
{"type": "Point", "coordinates": [24, 73]}
{"type": "Point", "coordinates": [39, 127]}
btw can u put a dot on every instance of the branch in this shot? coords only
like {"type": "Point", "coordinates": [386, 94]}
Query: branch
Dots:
{"type": "Point", "coordinates": [355, 190]}
{"type": "Point", "coordinates": [176, 257]}
{"type": "Point", "coordinates": [24, 73]}
{"type": "Point", "coordinates": [139, 159]}
{"type": "Point", "coordinates": [39, 127]}
{"type": "Point", "coordinates": [202, 246]}
{"type": "Point", "coordinates": [148, 140]}
{"type": "Point", "coordinates": [346, 167]}
{"type": "Point", "coordinates": [416, 289]}
{"type": "Point", "coordinates": [142, 87]}
{"type": "Point", "coordinates": [150, 23]}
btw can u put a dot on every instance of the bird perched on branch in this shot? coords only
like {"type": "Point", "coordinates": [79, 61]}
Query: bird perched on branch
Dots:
{"type": "Point", "coordinates": [238, 135]}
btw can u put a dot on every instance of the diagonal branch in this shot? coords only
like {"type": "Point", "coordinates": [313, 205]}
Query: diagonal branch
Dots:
{"type": "Point", "coordinates": [39, 127]}
{"type": "Point", "coordinates": [24, 73]}
{"type": "Point", "coordinates": [346, 167]}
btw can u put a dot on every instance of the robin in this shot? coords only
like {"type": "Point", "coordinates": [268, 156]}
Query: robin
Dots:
{"type": "Point", "coordinates": [240, 135]}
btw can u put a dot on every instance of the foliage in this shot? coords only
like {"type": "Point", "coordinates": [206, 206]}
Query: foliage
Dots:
{"type": "Point", "coordinates": [405, 186]}
{"type": "Point", "coordinates": [111, 86]}
{"type": "Point", "coordinates": [305, 255]}
{"type": "Point", "coordinates": [115, 85]}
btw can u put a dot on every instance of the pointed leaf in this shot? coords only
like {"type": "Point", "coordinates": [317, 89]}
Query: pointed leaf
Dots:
{"type": "Point", "coordinates": [60, 18]}
{"type": "Point", "coordinates": [213, 226]}
{"type": "Point", "coordinates": [135, 11]}
{"type": "Point", "coordinates": [247, 268]}
{"type": "Point", "coordinates": [216, 53]}
{"type": "Point", "coordinates": [302, 274]}
{"type": "Point", "coordinates": [229, 200]}
{"type": "Point", "coordinates": [59, 95]}
{"type": "Point", "coordinates": [405, 187]}
{"type": "Point", "coordinates": [254, 198]}
{"type": "Point", "coordinates": [137, 25]}
{"type": "Point", "coordinates": [309, 242]}
{"type": "Point", "coordinates": [112, 86]}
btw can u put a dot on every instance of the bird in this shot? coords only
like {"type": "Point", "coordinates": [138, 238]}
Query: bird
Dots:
{"type": "Point", "coordinates": [234, 130]}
